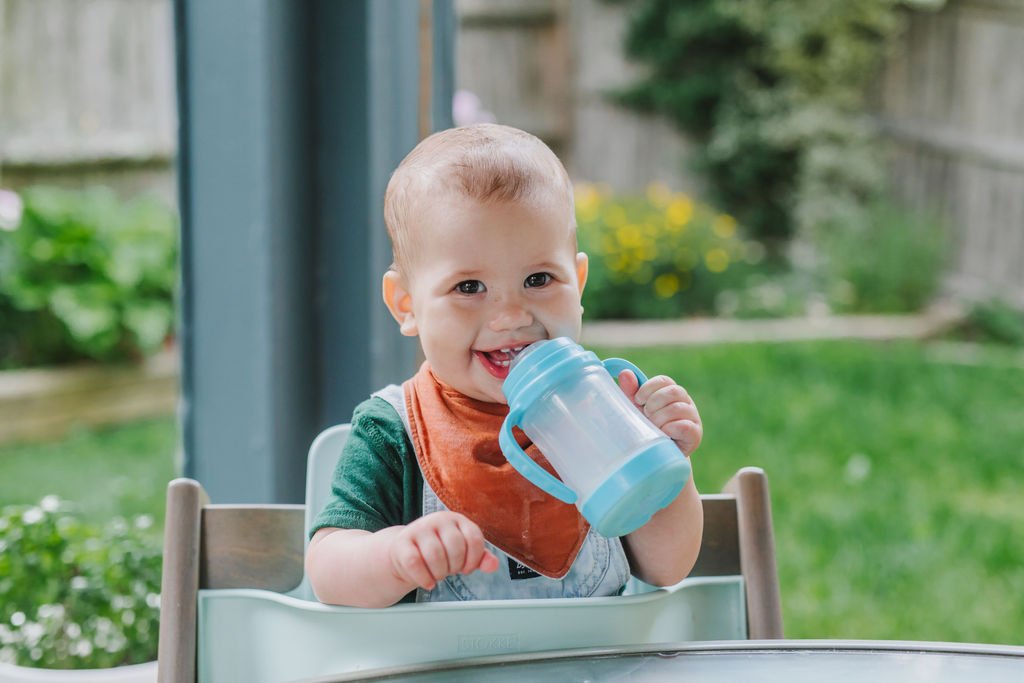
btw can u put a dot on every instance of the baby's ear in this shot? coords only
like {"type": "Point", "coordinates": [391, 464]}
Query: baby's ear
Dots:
{"type": "Point", "coordinates": [399, 302]}
{"type": "Point", "coordinates": [582, 265]}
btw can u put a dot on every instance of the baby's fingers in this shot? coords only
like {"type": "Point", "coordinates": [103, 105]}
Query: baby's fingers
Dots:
{"type": "Point", "coordinates": [435, 556]}
{"type": "Point", "coordinates": [628, 383]}
{"type": "Point", "coordinates": [686, 433]}
{"type": "Point", "coordinates": [410, 566]}
{"type": "Point", "coordinates": [477, 555]}
{"type": "Point", "coordinates": [653, 386]}
{"type": "Point", "coordinates": [455, 546]}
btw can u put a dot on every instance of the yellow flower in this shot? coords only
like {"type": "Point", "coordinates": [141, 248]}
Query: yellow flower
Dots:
{"type": "Point", "coordinates": [717, 260]}
{"type": "Point", "coordinates": [616, 217]}
{"type": "Point", "coordinates": [630, 235]}
{"type": "Point", "coordinates": [666, 285]}
{"type": "Point", "coordinates": [680, 211]}
{"type": "Point", "coordinates": [587, 196]}
{"type": "Point", "coordinates": [619, 264]}
{"type": "Point", "coordinates": [658, 194]}
{"type": "Point", "coordinates": [588, 202]}
{"type": "Point", "coordinates": [724, 226]}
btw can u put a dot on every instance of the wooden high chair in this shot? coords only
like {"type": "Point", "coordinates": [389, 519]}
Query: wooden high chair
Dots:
{"type": "Point", "coordinates": [236, 606]}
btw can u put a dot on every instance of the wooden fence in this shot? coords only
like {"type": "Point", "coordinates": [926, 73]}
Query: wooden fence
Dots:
{"type": "Point", "coordinates": [546, 66]}
{"type": "Point", "coordinates": [87, 93]}
{"type": "Point", "coordinates": [952, 103]}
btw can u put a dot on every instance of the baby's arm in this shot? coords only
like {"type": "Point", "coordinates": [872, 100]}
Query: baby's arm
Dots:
{"type": "Point", "coordinates": [663, 551]}
{"type": "Point", "coordinates": [363, 569]}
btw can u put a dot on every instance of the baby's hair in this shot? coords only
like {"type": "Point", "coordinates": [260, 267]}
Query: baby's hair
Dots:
{"type": "Point", "coordinates": [485, 162]}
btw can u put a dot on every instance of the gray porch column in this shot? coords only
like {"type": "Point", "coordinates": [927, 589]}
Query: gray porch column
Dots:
{"type": "Point", "coordinates": [292, 116]}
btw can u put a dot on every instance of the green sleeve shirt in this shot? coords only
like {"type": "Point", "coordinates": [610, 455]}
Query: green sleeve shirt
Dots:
{"type": "Point", "coordinates": [377, 482]}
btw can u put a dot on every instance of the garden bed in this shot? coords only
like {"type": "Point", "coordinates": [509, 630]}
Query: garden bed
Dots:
{"type": "Point", "coordinates": [47, 402]}
{"type": "Point", "coordinates": [641, 333]}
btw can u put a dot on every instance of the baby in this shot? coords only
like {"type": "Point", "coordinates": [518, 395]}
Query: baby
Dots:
{"type": "Point", "coordinates": [425, 506]}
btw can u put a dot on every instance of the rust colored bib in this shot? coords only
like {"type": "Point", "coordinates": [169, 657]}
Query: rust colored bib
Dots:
{"type": "Point", "coordinates": [456, 442]}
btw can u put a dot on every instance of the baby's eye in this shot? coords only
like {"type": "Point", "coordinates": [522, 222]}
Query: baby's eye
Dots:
{"type": "Point", "coordinates": [537, 279]}
{"type": "Point", "coordinates": [470, 287]}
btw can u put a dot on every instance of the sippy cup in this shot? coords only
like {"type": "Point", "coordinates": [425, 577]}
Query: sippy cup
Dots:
{"type": "Point", "coordinates": [615, 465]}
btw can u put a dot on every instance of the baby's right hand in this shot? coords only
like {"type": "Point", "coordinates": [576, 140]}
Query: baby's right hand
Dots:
{"type": "Point", "coordinates": [438, 545]}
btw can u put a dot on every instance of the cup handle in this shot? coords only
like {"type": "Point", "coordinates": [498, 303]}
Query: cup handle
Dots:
{"type": "Point", "coordinates": [616, 365]}
{"type": "Point", "coordinates": [526, 466]}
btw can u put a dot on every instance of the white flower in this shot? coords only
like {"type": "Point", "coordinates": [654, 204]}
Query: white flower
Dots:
{"type": "Point", "coordinates": [121, 602]}
{"type": "Point", "coordinates": [33, 632]}
{"type": "Point", "coordinates": [81, 648]}
{"type": "Point", "coordinates": [153, 600]}
{"type": "Point", "coordinates": [50, 503]}
{"type": "Point", "coordinates": [79, 583]}
{"type": "Point", "coordinates": [858, 468]}
{"type": "Point", "coordinates": [11, 208]}
{"type": "Point", "coordinates": [18, 618]}
{"type": "Point", "coordinates": [32, 515]}
{"type": "Point", "coordinates": [143, 521]}
{"type": "Point", "coordinates": [55, 611]}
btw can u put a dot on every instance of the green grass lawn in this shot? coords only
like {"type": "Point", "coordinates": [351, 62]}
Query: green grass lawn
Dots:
{"type": "Point", "coordinates": [105, 472]}
{"type": "Point", "coordinates": [896, 473]}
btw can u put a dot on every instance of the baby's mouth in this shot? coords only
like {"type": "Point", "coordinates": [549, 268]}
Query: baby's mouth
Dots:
{"type": "Point", "coordinates": [497, 362]}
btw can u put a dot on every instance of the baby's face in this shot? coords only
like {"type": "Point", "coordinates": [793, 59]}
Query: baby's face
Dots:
{"type": "Point", "coordinates": [488, 279]}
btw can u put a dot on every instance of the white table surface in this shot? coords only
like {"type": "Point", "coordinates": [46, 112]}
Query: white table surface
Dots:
{"type": "Point", "coordinates": [788, 661]}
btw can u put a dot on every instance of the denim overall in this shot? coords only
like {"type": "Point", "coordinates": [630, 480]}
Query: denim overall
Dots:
{"type": "Point", "coordinates": [600, 569]}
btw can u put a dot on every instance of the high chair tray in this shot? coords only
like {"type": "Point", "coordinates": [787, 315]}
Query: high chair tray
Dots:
{"type": "Point", "coordinates": [266, 636]}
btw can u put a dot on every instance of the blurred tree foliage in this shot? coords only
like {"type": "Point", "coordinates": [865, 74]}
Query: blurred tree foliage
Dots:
{"type": "Point", "coordinates": [775, 92]}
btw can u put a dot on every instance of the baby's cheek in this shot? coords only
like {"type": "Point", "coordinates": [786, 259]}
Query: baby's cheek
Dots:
{"type": "Point", "coordinates": [564, 327]}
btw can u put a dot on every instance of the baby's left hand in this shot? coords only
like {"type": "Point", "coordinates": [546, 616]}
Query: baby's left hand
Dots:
{"type": "Point", "coordinates": [668, 406]}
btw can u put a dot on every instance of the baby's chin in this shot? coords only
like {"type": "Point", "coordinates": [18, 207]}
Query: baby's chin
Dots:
{"type": "Point", "coordinates": [487, 396]}
{"type": "Point", "coordinates": [475, 391]}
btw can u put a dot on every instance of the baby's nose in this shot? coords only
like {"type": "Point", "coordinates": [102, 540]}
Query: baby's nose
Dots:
{"type": "Point", "coordinates": [511, 316]}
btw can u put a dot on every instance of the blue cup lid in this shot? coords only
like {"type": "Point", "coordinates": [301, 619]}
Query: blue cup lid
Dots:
{"type": "Point", "coordinates": [542, 365]}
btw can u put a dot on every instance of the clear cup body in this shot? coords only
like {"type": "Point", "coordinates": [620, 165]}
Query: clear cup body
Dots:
{"type": "Point", "coordinates": [587, 428]}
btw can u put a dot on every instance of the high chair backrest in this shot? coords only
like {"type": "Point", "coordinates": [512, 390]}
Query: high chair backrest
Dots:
{"type": "Point", "coordinates": [323, 456]}
{"type": "Point", "coordinates": [320, 464]}
{"type": "Point", "coordinates": [232, 567]}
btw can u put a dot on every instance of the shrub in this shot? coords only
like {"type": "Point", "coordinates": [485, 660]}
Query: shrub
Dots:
{"type": "Point", "coordinates": [993, 321]}
{"type": "Point", "coordinates": [892, 263]}
{"type": "Point", "coordinates": [775, 94]}
{"type": "Point", "coordinates": [86, 275]}
{"type": "Point", "coordinates": [662, 255]}
{"type": "Point", "coordinates": [74, 596]}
